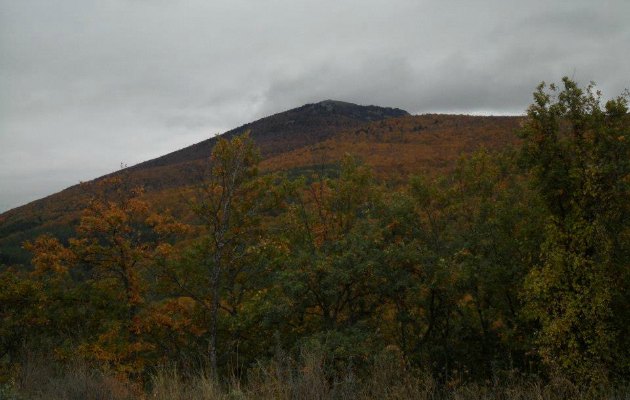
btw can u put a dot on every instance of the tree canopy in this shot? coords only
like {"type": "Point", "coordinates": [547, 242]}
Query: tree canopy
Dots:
{"type": "Point", "coordinates": [517, 260]}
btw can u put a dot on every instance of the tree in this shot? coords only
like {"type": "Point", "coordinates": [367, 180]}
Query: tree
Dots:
{"type": "Point", "coordinates": [118, 241]}
{"type": "Point", "coordinates": [328, 277]}
{"type": "Point", "coordinates": [20, 317]}
{"type": "Point", "coordinates": [579, 154]}
{"type": "Point", "coordinates": [230, 204]}
{"type": "Point", "coordinates": [456, 250]}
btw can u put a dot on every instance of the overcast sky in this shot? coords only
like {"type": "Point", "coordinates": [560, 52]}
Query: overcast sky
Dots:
{"type": "Point", "coordinates": [88, 84]}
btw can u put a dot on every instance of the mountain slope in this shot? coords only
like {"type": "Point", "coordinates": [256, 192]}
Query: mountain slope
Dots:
{"type": "Point", "coordinates": [390, 140]}
{"type": "Point", "coordinates": [288, 130]}
{"type": "Point", "coordinates": [429, 144]}
{"type": "Point", "coordinates": [276, 134]}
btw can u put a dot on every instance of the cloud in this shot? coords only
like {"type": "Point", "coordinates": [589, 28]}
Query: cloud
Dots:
{"type": "Point", "coordinates": [87, 85]}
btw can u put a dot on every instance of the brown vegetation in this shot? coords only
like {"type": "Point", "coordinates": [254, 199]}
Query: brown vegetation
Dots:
{"type": "Point", "coordinates": [393, 147]}
{"type": "Point", "coordinates": [284, 378]}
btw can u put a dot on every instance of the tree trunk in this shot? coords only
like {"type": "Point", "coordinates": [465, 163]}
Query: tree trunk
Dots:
{"type": "Point", "coordinates": [214, 310]}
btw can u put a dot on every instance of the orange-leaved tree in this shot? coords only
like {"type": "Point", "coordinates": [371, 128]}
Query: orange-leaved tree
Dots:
{"type": "Point", "coordinates": [118, 240]}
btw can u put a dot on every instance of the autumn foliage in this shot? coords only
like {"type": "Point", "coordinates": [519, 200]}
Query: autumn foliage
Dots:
{"type": "Point", "coordinates": [512, 260]}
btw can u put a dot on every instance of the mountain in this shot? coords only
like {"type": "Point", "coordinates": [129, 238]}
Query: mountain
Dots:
{"type": "Point", "coordinates": [288, 130]}
{"type": "Point", "coordinates": [396, 147]}
{"type": "Point", "coordinates": [282, 132]}
{"type": "Point", "coordinates": [390, 140]}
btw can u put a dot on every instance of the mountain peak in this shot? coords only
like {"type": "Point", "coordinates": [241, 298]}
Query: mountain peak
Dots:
{"type": "Point", "coordinates": [365, 113]}
{"type": "Point", "coordinates": [338, 103]}
{"type": "Point", "coordinates": [293, 128]}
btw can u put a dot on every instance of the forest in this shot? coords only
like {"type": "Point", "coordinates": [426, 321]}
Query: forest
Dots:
{"type": "Point", "coordinates": [507, 276]}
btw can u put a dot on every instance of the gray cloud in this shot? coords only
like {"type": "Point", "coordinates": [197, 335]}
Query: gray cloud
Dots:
{"type": "Point", "coordinates": [87, 85]}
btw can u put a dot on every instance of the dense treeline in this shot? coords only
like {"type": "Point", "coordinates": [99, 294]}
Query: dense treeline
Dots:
{"type": "Point", "coordinates": [515, 261]}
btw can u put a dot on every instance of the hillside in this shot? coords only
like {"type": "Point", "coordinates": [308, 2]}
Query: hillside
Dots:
{"type": "Point", "coordinates": [390, 140]}
{"type": "Point", "coordinates": [429, 144]}
{"type": "Point", "coordinates": [288, 130]}
{"type": "Point", "coordinates": [412, 253]}
{"type": "Point", "coordinates": [282, 132]}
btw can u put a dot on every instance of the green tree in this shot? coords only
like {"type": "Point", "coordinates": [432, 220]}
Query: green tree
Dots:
{"type": "Point", "coordinates": [456, 250]}
{"type": "Point", "coordinates": [579, 153]}
{"type": "Point", "coordinates": [328, 276]}
{"type": "Point", "coordinates": [496, 237]}
{"type": "Point", "coordinates": [21, 319]}
{"type": "Point", "coordinates": [227, 262]}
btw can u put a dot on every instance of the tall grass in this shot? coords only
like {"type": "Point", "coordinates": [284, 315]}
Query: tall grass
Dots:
{"type": "Point", "coordinates": [40, 378]}
{"type": "Point", "coordinates": [284, 377]}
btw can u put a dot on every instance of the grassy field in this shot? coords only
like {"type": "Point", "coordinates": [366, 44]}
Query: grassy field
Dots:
{"type": "Point", "coordinates": [284, 378]}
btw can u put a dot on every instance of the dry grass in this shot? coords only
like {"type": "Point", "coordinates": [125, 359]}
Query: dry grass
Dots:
{"type": "Point", "coordinates": [38, 378]}
{"type": "Point", "coordinates": [168, 384]}
{"type": "Point", "coordinates": [285, 379]}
